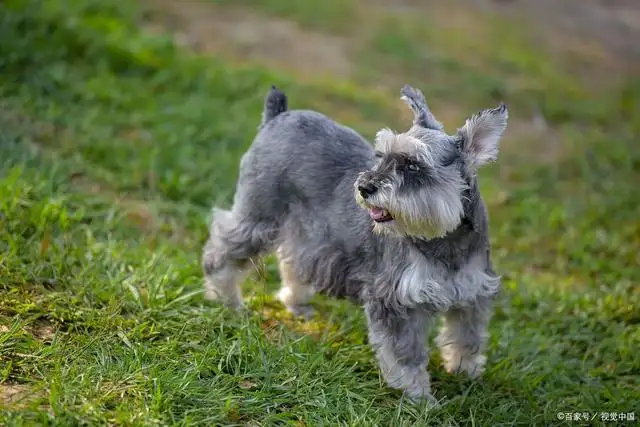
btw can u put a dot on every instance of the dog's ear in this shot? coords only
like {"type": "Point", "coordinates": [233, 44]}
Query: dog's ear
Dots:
{"type": "Point", "coordinates": [479, 138]}
{"type": "Point", "coordinates": [422, 116]}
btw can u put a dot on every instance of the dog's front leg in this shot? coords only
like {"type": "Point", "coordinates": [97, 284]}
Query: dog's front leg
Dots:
{"type": "Point", "coordinates": [463, 338]}
{"type": "Point", "coordinates": [399, 340]}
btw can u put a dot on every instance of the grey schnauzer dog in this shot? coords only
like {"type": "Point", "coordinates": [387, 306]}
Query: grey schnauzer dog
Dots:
{"type": "Point", "coordinates": [399, 227]}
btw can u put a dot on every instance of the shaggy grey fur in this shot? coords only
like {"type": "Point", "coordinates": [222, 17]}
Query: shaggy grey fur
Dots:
{"type": "Point", "coordinates": [400, 228]}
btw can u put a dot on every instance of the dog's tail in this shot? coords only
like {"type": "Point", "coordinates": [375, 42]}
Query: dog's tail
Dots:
{"type": "Point", "coordinates": [275, 103]}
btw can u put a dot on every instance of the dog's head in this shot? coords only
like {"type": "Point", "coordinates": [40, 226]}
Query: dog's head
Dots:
{"type": "Point", "coordinates": [417, 186]}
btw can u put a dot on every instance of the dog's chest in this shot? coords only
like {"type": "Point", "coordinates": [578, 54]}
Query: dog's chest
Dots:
{"type": "Point", "coordinates": [436, 285]}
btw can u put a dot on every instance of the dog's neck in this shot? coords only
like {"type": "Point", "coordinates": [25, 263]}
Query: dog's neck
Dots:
{"type": "Point", "coordinates": [455, 247]}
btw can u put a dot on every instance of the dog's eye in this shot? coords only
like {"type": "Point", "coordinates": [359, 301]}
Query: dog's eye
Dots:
{"type": "Point", "coordinates": [448, 162]}
{"type": "Point", "coordinates": [379, 154]}
{"type": "Point", "coordinates": [413, 167]}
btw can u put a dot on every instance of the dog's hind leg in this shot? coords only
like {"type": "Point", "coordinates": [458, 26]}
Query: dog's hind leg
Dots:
{"type": "Point", "coordinates": [293, 294]}
{"type": "Point", "coordinates": [226, 257]}
{"type": "Point", "coordinates": [464, 336]}
{"type": "Point", "coordinates": [399, 340]}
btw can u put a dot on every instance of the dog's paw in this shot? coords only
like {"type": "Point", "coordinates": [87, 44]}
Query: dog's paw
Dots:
{"type": "Point", "coordinates": [217, 297]}
{"type": "Point", "coordinates": [417, 389]}
{"type": "Point", "coordinates": [422, 397]}
{"type": "Point", "coordinates": [456, 362]}
{"type": "Point", "coordinates": [293, 305]}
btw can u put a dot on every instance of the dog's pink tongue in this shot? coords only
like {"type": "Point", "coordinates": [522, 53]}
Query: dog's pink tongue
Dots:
{"type": "Point", "coordinates": [377, 213]}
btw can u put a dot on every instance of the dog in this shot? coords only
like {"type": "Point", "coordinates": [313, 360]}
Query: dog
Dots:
{"type": "Point", "coordinates": [400, 228]}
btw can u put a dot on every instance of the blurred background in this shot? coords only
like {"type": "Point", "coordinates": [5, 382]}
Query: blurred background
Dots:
{"type": "Point", "coordinates": [123, 122]}
{"type": "Point", "coordinates": [562, 196]}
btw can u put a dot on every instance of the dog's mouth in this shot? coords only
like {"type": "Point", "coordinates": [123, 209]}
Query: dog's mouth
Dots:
{"type": "Point", "coordinates": [379, 214]}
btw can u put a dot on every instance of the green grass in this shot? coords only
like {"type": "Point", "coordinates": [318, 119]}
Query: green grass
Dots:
{"type": "Point", "coordinates": [115, 144]}
{"type": "Point", "coordinates": [335, 15]}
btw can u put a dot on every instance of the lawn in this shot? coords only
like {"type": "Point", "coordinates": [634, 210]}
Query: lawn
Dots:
{"type": "Point", "coordinates": [115, 142]}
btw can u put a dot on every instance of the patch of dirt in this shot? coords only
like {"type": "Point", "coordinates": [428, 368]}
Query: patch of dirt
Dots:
{"type": "Point", "coordinates": [17, 395]}
{"type": "Point", "coordinates": [42, 330]}
{"type": "Point", "coordinates": [604, 31]}
{"type": "Point", "coordinates": [607, 31]}
{"type": "Point", "coordinates": [580, 25]}
{"type": "Point", "coordinates": [246, 35]}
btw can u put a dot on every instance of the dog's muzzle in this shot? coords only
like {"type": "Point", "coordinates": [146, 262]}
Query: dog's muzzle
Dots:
{"type": "Point", "coordinates": [366, 189]}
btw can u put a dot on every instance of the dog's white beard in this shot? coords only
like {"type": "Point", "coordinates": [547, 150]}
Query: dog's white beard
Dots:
{"type": "Point", "coordinates": [428, 214]}
{"type": "Point", "coordinates": [433, 215]}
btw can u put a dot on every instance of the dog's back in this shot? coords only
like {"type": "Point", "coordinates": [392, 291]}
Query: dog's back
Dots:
{"type": "Point", "coordinates": [299, 157]}
{"type": "Point", "coordinates": [298, 177]}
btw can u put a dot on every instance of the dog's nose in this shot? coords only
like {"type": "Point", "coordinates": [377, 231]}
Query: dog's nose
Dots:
{"type": "Point", "coordinates": [367, 189]}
